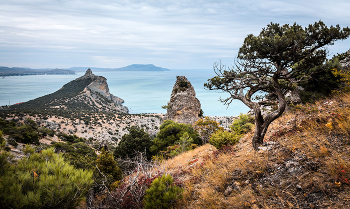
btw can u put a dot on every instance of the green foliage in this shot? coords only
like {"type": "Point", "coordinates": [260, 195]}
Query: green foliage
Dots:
{"type": "Point", "coordinates": [71, 138]}
{"type": "Point", "coordinates": [243, 124]}
{"type": "Point", "coordinates": [108, 167]}
{"type": "Point", "coordinates": [166, 107]}
{"type": "Point", "coordinates": [222, 138]}
{"type": "Point", "coordinates": [28, 149]}
{"type": "Point", "coordinates": [43, 132]}
{"type": "Point", "coordinates": [80, 155]}
{"type": "Point", "coordinates": [162, 193]}
{"type": "Point", "coordinates": [240, 126]}
{"type": "Point", "coordinates": [12, 142]}
{"type": "Point", "coordinates": [201, 113]}
{"type": "Point", "coordinates": [271, 63]}
{"type": "Point", "coordinates": [137, 140]}
{"type": "Point", "coordinates": [322, 81]}
{"type": "Point", "coordinates": [170, 132]}
{"type": "Point", "coordinates": [43, 180]}
{"type": "Point", "coordinates": [1, 138]}
{"type": "Point", "coordinates": [206, 127]}
{"type": "Point", "coordinates": [184, 144]}
{"type": "Point", "coordinates": [183, 85]}
{"type": "Point", "coordinates": [25, 133]}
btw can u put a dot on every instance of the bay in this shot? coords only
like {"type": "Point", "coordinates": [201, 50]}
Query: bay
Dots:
{"type": "Point", "coordinates": [142, 91]}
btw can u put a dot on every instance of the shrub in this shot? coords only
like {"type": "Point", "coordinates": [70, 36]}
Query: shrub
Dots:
{"type": "Point", "coordinates": [12, 142]}
{"type": "Point", "coordinates": [137, 140]}
{"type": "Point", "coordinates": [43, 180]}
{"type": "Point", "coordinates": [206, 127]}
{"type": "Point", "coordinates": [80, 155]}
{"type": "Point", "coordinates": [107, 169]}
{"type": "Point", "coordinates": [223, 138]}
{"type": "Point", "coordinates": [170, 132]}
{"type": "Point", "coordinates": [162, 193]}
{"type": "Point", "coordinates": [183, 145]}
{"type": "Point", "coordinates": [243, 124]}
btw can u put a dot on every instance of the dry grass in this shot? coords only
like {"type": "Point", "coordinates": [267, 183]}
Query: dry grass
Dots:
{"type": "Point", "coordinates": [305, 164]}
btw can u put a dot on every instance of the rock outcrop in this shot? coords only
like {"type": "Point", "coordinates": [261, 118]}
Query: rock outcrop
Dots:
{"type": "Point", "coordinates": [345, 63]}
{"type": "Point", "coordinates": [86, 93]}
{"type": "Point", "coordinates": [183, 106]}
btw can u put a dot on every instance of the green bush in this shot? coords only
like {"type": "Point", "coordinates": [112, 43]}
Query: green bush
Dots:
{"type": "Point", "coordinates": [137, 140]}
{"type": "Point", "coordinates": [107, 168]}
{"type": "Point", "coordinates": [170, 132]}
{"type": "Point", "coordinates": [243, 124]}
{"type": "Point", "coordinates": [162, 193]}
{"type": "Point", "coordinates": [43, 180]}
{"type": "Point", "coordinates": [80, 155]}
{"type": "Point", "coordinates": [220, 139]}
{"type": "Point", "coordinates": [26, 133]}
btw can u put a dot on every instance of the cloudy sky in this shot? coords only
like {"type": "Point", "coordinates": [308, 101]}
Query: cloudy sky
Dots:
{"type": "Point", "coordinates": [180, 34]}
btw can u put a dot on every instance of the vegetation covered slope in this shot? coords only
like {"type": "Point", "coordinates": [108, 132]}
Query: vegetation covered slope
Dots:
{"type": "Point", "coordinates": [87, 93]}
{"type": "Point", "coordinates": [304, 163]}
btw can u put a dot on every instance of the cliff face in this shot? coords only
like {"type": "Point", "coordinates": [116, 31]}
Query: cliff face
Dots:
{"type": "Point", "coordinates": [183, 106]}
{"type": "Point", "coordinates": [86, 93]}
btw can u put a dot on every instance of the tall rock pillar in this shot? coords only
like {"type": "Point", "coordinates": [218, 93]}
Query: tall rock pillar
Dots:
{"type": "Point", "coordinates": [183, 106]}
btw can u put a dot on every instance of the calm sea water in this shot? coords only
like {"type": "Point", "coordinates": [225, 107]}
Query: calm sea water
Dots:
{"type": "Point", "coordinates": [143, 92]}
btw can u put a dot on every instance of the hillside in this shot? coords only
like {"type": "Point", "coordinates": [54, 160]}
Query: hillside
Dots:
{"type": "Point", "coordinates": [86, 93]}
{"type": "Point", "coordinates": [304, 163]}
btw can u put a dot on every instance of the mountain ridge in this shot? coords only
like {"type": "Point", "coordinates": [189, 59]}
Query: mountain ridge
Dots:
{"type": "Point", "coordinates": [133, 67]}
{"type": "Point", "coordinates": [86, 93]}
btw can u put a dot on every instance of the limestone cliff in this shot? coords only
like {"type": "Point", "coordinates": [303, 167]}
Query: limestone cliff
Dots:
{"type": "Point", "coordinates": [183, 106]}
{"type": "Point", "coordinates": [86, 93]}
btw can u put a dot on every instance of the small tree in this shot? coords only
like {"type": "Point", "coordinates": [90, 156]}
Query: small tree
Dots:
{"type": "Point", "coordinates": [162, 193]}
{"type": "Point", "coordinates": [271, 64]}
{"type": "Point", "coordinates": [137, 140]}
{"type": "Point", "coordinates": [107, 168]}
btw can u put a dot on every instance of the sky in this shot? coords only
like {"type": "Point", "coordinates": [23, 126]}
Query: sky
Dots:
{"type": "Point", "coordinates": [181, 34]}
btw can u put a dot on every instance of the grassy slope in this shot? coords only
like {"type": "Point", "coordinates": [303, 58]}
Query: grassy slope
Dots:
{"type": "Point", "coordinates": [304, 164]}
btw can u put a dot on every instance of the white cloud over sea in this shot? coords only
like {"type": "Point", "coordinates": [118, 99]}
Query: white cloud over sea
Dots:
{"type": "Point", "coordinates": [172, 34]}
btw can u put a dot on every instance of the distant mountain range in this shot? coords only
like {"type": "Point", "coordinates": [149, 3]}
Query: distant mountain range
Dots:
{"type": "Point", "coordinates": [17, 71]}
{"type": "Point", "coordinates": [134, 67]}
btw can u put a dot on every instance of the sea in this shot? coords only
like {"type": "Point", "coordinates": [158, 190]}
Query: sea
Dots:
{"type": "Point", "coordinates": [142, 91]}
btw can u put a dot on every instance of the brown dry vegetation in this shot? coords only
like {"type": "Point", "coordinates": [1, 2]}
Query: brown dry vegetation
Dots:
{"type": "Point", "coordinates": [304, 163]}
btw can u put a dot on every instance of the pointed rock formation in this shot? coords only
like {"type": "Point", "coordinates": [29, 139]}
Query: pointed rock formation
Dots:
{"type": "Point", "coordinates": [88, 72]}
{"type": "Point", "coordinates": [183, 106]}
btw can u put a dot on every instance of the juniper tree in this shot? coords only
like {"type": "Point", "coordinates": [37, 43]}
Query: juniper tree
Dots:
{"type": "Point", "coordinates": [271, 64]}
{"type": "Point", "coordinates": [137, 140]}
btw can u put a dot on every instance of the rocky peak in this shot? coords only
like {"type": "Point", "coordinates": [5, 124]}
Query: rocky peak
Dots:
{"type": "Point", "coordinates": [88, 72]}
{"type": "Point", "coordinates": [183, 106]}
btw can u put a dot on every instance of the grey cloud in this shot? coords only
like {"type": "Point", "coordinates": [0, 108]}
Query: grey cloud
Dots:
{"type": "Point", "coordinates": [179, 34]}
